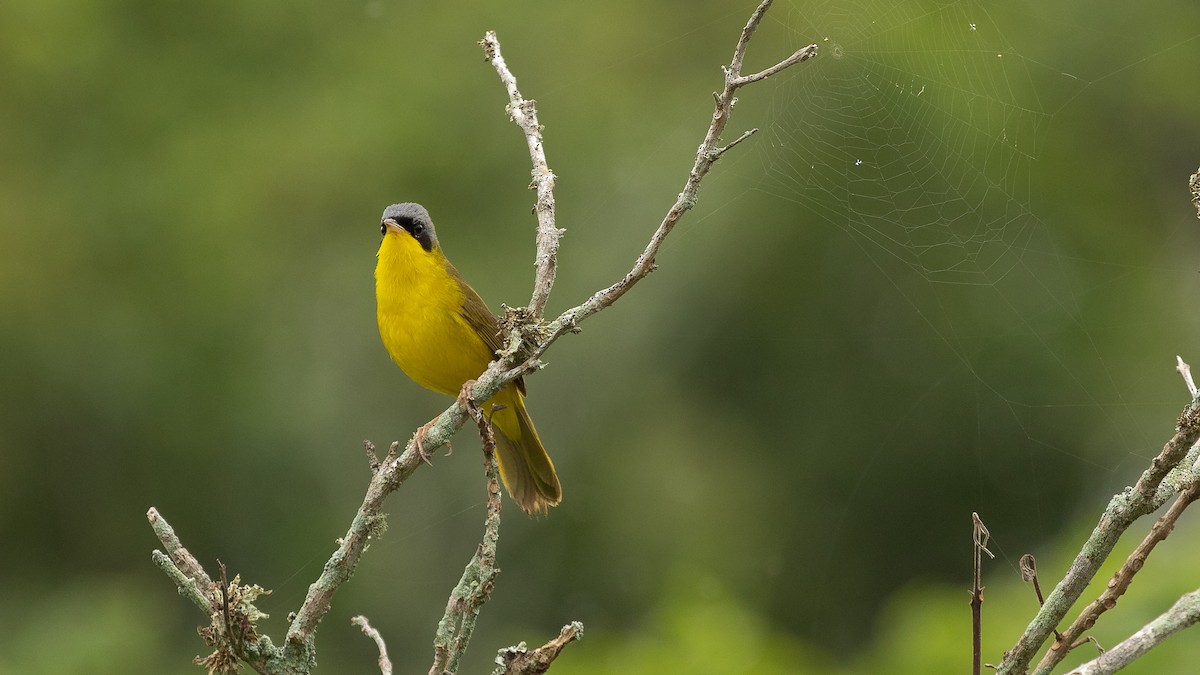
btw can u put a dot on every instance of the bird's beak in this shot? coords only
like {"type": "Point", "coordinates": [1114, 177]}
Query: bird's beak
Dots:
{"type": "Point", "coordinates": [392, 225]}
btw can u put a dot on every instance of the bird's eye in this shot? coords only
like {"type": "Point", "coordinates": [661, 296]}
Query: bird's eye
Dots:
{"type": "Point", "coordinates": [417, 229]}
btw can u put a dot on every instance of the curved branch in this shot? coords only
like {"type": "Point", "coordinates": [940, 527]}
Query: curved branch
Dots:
{"type": "Point", "coordinates": [524, 113]}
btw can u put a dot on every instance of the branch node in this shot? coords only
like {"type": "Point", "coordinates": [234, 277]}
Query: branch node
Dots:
{"type": "Point", "coordinates": [716, 154]}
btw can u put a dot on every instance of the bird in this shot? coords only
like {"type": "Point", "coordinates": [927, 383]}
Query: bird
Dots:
{"type": "Point", "coordinates": [442, 334]}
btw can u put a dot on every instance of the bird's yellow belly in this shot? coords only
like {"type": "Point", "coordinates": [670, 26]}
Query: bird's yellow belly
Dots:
{"type": "Point", "coordinates": [434, 347]}
{"type": "Point", "coordinates": [421, 323]}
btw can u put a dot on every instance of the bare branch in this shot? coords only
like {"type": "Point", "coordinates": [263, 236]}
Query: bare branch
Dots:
{"type": "Point", "coordinates": [385, 664]}
{"type": "Point", "coordinates": [745, 134]}
{"type": "Point", "coordinates": [802, 54]}
{"type": "Point", "coordinates": [524, 113]}
{"type": "Point", "coordinates": [1122, 510]}
{"type": "Point", "coordinates": [1184, 613]}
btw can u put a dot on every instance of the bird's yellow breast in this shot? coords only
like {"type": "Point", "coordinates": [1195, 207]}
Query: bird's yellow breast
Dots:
{"type": "Point", "coordinates": [419, 308]}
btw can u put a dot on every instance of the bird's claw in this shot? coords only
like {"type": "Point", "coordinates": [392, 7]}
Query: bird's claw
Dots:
{"type": "Point", "coordinates": [465, 397]}
{"type": "Point", "coordinates": [419, 441]}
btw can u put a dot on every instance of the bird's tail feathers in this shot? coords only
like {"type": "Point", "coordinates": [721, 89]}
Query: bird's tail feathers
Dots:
{"type": "Point", "coordinates": [525, 467]}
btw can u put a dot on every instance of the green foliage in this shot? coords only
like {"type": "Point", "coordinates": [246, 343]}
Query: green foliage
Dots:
{"type": "Point", "coordinates": [696, 626]}
{"type": "Point", "coordinates": [92, 625]}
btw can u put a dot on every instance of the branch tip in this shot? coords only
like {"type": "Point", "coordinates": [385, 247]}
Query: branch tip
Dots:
{"type": "Point", "coordinates": [519, 660]}
{"type": "Point", "coordinates": [1185, 370]}
{"type": "Point", "coordinates": [385, 664]}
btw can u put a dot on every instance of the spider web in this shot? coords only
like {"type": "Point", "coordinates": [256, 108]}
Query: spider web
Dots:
{"type": "Point", "coordinates": [921, 149]}
{"type": "Point", "coordinates": [920, 133]}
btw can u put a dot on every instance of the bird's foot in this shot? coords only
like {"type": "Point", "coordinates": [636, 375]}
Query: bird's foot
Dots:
{"type": "Point", "coordinates": [419, 439]}
{"type": "Point", "coordinates": [464, 395]}
{"type": "Point", "coordinates": [468, 401]}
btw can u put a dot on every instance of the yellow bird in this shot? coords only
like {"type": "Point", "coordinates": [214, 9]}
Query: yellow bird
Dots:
{"type": "Point", "coordinates": [441, 334]}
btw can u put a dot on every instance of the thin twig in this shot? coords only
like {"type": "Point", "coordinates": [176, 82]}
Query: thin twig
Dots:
{"type": "Point", "coordinates": [385, 664]}
{"type": "Point", "coordinates": [226, 623]}
{"type": "Point", "coordinates": [979, 539]}
{"type": "Point", "coordinates": [1028, 567]}
{"type": "Point", "coordinates": [1185, 612]}
{"type": "Point", "coordinates": [745, 134]}
{"type": "Point", "coordinates": [524, 113]}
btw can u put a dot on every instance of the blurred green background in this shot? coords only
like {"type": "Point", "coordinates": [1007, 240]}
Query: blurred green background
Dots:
{"type": "Point", "coordinates": [950, 275]}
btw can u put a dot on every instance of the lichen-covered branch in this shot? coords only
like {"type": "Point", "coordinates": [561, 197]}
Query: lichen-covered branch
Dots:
{"type": "Point", "coordinates": [232, 631]}
{"type": "Point", "coordinates": [183, 560]}
{"type": "Point", "coordinates": [1122, 510]}
{"type": "Point", "coordinates": [519, 660]}
{"type": "Point", "coordinates": [369, 520]}
{"type": "Point", "coordinates": [475, 586]}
